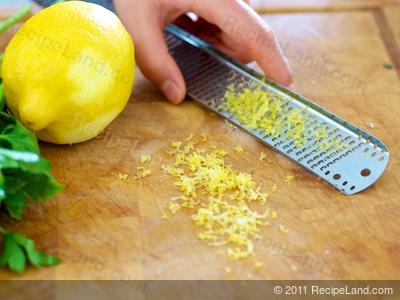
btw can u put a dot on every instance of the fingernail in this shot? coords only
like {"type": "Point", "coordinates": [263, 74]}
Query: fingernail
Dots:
{"type": "Point", "coordinates": [171, 91]}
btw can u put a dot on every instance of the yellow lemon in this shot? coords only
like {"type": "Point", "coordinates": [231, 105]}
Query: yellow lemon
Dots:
{"type": "Point", "coordinates": [69, 71]}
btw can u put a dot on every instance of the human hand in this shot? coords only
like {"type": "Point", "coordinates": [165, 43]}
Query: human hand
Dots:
{"type": "Point", "coordinates": [230, 25]}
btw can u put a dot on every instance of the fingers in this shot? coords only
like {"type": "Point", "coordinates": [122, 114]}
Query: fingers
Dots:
{"type": "Point", "coordinates": [213, 35]}
{"type": "Point", "coordinates": [244, 36]}
{"type": "Point", "coordinates": [229, 48]}
{"type": "Point", "coordinates": [144, 24]}
{"type": "Point", "coordinates": [233, 50]}
{"type": "Point", "coordinates": [249, 32]}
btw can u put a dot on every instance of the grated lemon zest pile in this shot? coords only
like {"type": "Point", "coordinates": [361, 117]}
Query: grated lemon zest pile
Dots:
{"type": "Point", "coordinates": [204, 138]}
{"type": "Point", "coordinates": [165, 217]}
{"type": "Point", "coordinates": [220, 197]}
{"type": "Point", "coordinates": [121, 176]}
{"type": "Point", "coordinates": [269, 114]}
{"type": "Point", "coordinates": [258, 265]}
{"type": "Point", "coordinates": [189, 138]}
{"type": "Point", "coordinates": [145, 158]}
{"type": "Point", "coordinates": [238, 149]}
{"type": "Point", "coordinates": [230, 124]}
{"type": "Point", "coordinates": [283, 228]}
{"type": "Point", "coordinates": [262, 156]}
{"type": "Point", "coordinates": [142, 172]}
{"type": "Point", "coordinates": [274, 215]}
{"type": "Point", "coordinates": [274, 188]}
{"type": "Point", "coordinates": [370, 125]}
{"type": "Point", "coordinates": [289, 179]}
{"type": "Point", "coordinates": [174, 207]}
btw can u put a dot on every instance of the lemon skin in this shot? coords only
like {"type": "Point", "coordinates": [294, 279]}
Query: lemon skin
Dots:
{"type": "Point", "coordinates": [69, 71]}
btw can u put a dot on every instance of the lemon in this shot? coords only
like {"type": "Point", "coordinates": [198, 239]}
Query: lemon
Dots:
{"type": "Point", "coordinates": [69, 71]}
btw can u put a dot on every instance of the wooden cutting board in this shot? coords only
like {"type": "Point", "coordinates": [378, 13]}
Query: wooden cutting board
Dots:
{"type": "Point", "coordinates": [105, 228]}
{"type": "Point", "coordinates": [289, 6]}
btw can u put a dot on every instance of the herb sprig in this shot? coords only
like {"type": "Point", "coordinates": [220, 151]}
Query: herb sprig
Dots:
{"type": "Point", "coordinates": [24, 176]}
{"type": "Point", "coordinates": [18, 250]}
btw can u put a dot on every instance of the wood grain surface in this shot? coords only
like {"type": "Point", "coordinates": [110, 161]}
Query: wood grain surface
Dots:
{"type": "Point", "coordinates": [104, 228]}
{"type": "Point", "coordinates": [390, 17]}
{"type": "Point", "coordinates": [393, 15]}
{"type": "Point", "coordinates": [290, 6]}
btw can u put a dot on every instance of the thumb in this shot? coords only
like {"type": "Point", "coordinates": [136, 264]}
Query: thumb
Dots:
{"type": "Point", "coordinates": [151, 50]}
{"type": "Point", "coordinates": [158, 65]}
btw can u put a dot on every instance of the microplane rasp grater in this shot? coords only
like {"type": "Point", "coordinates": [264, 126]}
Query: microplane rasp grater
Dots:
{"type": "Point", "coordinates": [208, 73]}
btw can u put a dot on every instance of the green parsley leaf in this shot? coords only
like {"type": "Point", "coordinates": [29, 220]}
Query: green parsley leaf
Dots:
{"type": "Point", "coordinates": [25, 176]}
{"type": "Point", "coordinates": [388, 66]}
{"type": "Point", "coordinates": [12, 255]}
{"type": "Point", "coordinates": [15, 204]}
{"type": "Point", "coordinates": [13, 135]}
{"type": "Point", "coordinates": [18, 249]}
{"type": "Point", "coordinates": [2, 98]}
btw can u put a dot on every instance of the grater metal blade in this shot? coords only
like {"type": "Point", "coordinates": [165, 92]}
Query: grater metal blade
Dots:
{"type": "Point", "coordinates": [208, 73]}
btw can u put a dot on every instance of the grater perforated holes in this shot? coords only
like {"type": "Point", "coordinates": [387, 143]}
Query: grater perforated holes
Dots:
{"type": "Point", "coordinates": [337, 176]}
{"type": "Point", "coordinates": [326, 158]}
{"type": "Point", "coordinates": [347, 138]}
{"type": "Point", "coordinates": [365, 172]}
{"type": "Point", "coordinates": [358, 146]}
{"type": "Point", "coordinates": [305, 148]}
